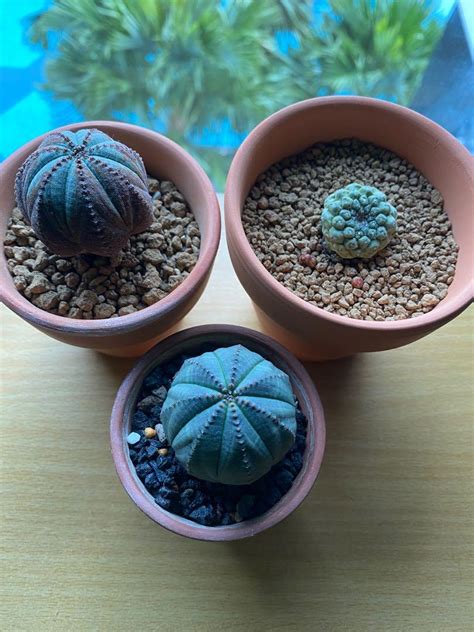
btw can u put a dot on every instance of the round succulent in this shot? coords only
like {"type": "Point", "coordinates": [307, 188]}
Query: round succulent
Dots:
{"type": "Point", "coordinates": [229, 415]}
{"type": "Point", "coordinates": [83, 192]}
{"type": "Point", "coordinates": [358, 221]}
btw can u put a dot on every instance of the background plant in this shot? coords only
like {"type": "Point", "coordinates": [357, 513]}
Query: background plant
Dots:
{"type": "Point", "coordinates": [205, 72]}
{"type": "Point", "coordinates": [375, 47]}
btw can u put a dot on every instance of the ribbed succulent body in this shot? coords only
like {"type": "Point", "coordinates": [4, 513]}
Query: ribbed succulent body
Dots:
{"type": "Point", "coordinates": [84, 192]}
{"type": "Point", "coordinates": [229, 415]}
{"type": "Point", "coordinates": [358, 221]}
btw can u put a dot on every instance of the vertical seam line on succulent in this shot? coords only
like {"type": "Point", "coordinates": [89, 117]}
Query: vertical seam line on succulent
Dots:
{"type": "Point", "coordinates": [116, 211]}
{"type": "Point", "coordinates": [271, 416]}
{"type": "Point", "coordinates": [226, 406]}
{"type": "Point", "coordinates": [221, 368]}
{"type": "Point", "coordinates": [207, 424]}
{"type": "Point", "coordinates": [67, 140]}
{"type": "Point", "coordinates": [257, 433]}
{"type": "Point", "coordinates": [194, 362]}
{"type": "Point", "coordinates": [176, 404]}
{"type": "Point", "coordinates": [262, 380]}
{"type": "Point", "coordinates": [277, 399]}
{"type": "Point", "coordinates": [244, 377]}
{"type": "Point", "coordinates": [245, 460]}
{"type": "Point", "coordinates": [194, 383]}
{"type": "Point", "coordinates": [120, 164]}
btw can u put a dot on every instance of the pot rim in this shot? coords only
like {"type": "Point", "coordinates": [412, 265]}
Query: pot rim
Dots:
{"type": "Point", "coordinates": [245, 254]}
{"type": "Point", "coordinates": [130, 322]}
{"type": "Point", "coordinates": [182, 526]}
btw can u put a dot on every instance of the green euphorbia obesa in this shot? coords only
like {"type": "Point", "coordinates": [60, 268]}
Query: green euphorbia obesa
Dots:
{"type": "Point", "coordinates": [230, 415]}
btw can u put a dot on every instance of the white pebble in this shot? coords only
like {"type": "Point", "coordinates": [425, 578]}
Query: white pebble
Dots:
{"type": "Point", "coordinates": [160, 432]}
{"type": "Point", "coordinates": [133, 438]}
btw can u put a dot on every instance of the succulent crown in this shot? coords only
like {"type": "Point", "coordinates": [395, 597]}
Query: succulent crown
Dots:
{"type": "Point", "coordinates": [358, 221]}
{"type": "Point", "coordinates": [84, 192]}
{"type": "Point", "coordinates": [229, 415]}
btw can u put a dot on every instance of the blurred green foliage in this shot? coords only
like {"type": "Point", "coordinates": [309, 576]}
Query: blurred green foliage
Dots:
{"type": "Point", "coordinates": [376, 48]}
{"type": "Point", "coordinates": [190, 66]}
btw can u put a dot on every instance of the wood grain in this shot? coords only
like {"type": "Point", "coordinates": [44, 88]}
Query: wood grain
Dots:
{"type": "Point", "coordinates": [383, 542]}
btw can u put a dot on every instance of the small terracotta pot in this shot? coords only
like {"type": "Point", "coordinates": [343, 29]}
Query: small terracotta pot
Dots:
{"type": "Point", "coordinates": [311, 332]}
{"type": "Point", "coordinates": [134, 333]}
{"type": "Point", "coordinates": [191, 340]}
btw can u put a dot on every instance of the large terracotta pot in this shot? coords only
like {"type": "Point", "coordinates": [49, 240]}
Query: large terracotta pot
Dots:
{"type": "Point", "coordinates": [310, 332]}
{"type": "Point", "coordinates": [134, 333]}
{"type": "Point", "coordinates": [189, 341]}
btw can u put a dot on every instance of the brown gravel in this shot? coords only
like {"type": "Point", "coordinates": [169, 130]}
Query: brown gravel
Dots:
{"type": "Point", "coordinates": [90, 287]}
{"type": "Point", "coordinates": [281, 218]}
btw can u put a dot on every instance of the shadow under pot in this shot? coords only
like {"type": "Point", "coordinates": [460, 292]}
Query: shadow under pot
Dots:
{"type": "Point", "coordinates": [102, 312]}
{"type": "Point", "coordinates": [217, 433]}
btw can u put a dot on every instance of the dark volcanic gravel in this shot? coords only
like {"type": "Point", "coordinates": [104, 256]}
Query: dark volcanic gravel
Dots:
{"type": "Point", "coordinates": [210, 504]}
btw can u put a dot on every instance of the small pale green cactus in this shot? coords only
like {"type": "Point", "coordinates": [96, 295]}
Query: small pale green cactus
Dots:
{"type": "Point", "coordinates": [358, 221]}
{"type": "Point", "coordinates": [229, 415]}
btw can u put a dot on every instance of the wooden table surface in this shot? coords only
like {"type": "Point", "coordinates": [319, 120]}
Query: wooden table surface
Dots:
{"type": "Point", "coordinates": [383, 542]}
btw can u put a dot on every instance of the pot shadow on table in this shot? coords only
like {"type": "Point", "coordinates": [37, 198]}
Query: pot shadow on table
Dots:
{"type": "Point", "coordinates": [115, 366]}
{"type": "Point", "coordinates": [338, 523]}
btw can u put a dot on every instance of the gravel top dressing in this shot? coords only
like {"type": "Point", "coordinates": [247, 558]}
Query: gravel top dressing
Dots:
{"type": "Point", "coordinates": [154, 263]}
{"type": "Point", "coordinates": [209, 504]}
{"type": "Point", "coordinates": [282, 221]}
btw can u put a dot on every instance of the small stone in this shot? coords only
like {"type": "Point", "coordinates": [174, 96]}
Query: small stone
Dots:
{"type": "Point", "coordinates": [127, 309]}
{"type": "Point", "coordinates": [161, 392]}
{"type": "Point", "coordinates": [153, 296]}
{"type": "Point", "coordinates": [429, 300]}
{"type": "Point", "coordinates": [133, 438]}
{"type": "Point", "coordinates": [39, 284]}
{"type": "Point", "coordinates": [308, 260]}
{"type": "Point", "coordinates": [20, 283]}
{"type": "Point", "coordinates": [63, 265]}
{"type": "Point", "coordinates": [185, 260]}
{"type": "Point", "coordinates": [75, 312]}
{"type": "Point", "coordinates": [41, 261]}
{"type": "Point", "coordinates": [86, 300]}
{"type": "Point", "coordinates": [162, 451]}
{"type": "Point", "coordinates": [176, 244]}
{"type": "Point", "coordinates": [104, 310]}
{"type": "Point", "coordinates": [153, 256]}
{"type": "Point", "coordinates": [22, 270]}
{"type": "Point", "coordinates": [147, 403]}
{"type": "Point", "coordinates": [149, 433]}
{"type": "Point", "coordinates": [64, 292]}
{"type": "Point", "coordinates": [47, 300]}
{"type": "Point", "coordinates": [57, 278]}
{"type": "Point", "coordinates": [126, 289]}
{"type": "Point", "coordinates": [160, 431]}
{"type": "Point", "coordinates": [178, 209]}
{"type": "Point", "coordinates": [63, 308]}
{"type": "Point", "coordinates": [271, 217]}
{"type": "Point", "coordinates": [357, 282]}
{"type": "Point", "coordinates": [72, 279]}
{"type": "Point", "coordinates": [128, 299]}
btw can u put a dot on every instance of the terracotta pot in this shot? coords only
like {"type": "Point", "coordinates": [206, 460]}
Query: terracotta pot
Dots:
{"type": "Point", "coordinates": [134, 333]}
{"type": "Point", "coordinates": [191, 340]}
{"type": "Point", "coordinates": [313, 333]}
